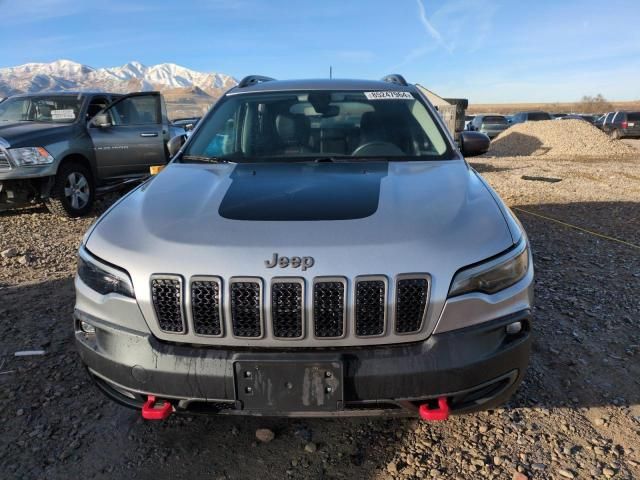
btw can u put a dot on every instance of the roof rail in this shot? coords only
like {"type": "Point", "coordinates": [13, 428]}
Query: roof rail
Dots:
{"type": "Point", "coordinates": [395, 78]}
{"type": "Point", "coordinates": [253, 79]}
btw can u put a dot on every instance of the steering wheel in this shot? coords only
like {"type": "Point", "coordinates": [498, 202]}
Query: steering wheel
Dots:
{"type": "Point", "coordinates": [377, 147]}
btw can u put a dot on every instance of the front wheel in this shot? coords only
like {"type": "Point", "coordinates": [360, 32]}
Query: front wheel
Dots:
{"type": "Point", "coordinates": [73, 192]}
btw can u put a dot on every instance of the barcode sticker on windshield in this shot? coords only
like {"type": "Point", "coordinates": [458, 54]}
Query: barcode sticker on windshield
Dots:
{"type": "Point", "coordinates": [388, 95]}
{"type": "Point", "coordinates": [63, 114]}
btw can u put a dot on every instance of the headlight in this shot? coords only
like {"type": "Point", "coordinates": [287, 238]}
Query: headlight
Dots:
{"type": "Point", "coordinates": [102, 278]}
{"type": "Point", "coordinates": [28, 156]}
{"type": "Point", "coordinates": [494, 275]}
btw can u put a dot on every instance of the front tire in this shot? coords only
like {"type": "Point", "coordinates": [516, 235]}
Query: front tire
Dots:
{"type": "Point", "coordinates": [73, 191]}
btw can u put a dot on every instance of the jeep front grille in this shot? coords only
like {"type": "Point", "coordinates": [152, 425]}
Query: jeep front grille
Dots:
{"type": "Point", "coordinates": [412, 295]}
{"type": "Point", "coordinates": [371, 305]}
{"type": "Point", "coordinates": [329, 308]}
{"type": "Point", "coordinates": [287, 303]}
{"type": "Point", "coordinates": [246, 308]}
{"type": "Point", "coordinates": [206, 307]}
{"type": "Point", "coordinates": [249, 311]}
{"type": "Point", "coordinates": [166, 295]}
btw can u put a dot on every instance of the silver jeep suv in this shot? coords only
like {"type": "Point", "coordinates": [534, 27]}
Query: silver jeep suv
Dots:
{"type": "Point", "coordinates": [315, 248]}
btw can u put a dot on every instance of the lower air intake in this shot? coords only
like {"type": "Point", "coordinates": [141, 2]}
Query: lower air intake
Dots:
{"type": "Point", "coordinates": [166, 295]}
{"type": "Point", "coordinates": [245, 309]}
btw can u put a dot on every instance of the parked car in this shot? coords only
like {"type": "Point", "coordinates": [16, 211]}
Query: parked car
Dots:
{"type": "Point", "coordinates": [533, 116]}
{"type": "Point", "coordinates": [490, 125]}
{"type": "Point", "coordinates": [622, 125]}
{"type": "Point", "coordinates": [467, 121]}
{"type": "Point", "coordinates": [560, 115]}
{"type": "Point", "coordinates": [573, 116]}
{"type": "Point", "coordinates": [315, 248]}
{"type": "Point", "coordinates": [61, 148]}
{"type": "Point", "coordinates": [187, 124]}
{"type": "Point", "coordinates": [599, 122]}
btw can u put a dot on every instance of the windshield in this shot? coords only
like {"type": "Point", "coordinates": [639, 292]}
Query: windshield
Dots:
{"type": "Point", "coordinates": [536, 116]}
{"type": "Point", "coordinates": [495, 120]}
{"type": "Point", "coordinates": [50, 109]}
{"type": "Point", "coordinates": [318, 125]}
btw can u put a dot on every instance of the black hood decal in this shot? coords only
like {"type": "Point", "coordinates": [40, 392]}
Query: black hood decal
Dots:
{"type": "Point", "coordinates": [303, 191]}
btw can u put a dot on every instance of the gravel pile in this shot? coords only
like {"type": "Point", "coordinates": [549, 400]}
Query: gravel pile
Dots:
{"type": "Point", "coordinates": [557, 138]}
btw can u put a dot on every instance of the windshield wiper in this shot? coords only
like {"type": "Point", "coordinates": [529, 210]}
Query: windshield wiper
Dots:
{"type": "Point", "coordinates": [203, 159]}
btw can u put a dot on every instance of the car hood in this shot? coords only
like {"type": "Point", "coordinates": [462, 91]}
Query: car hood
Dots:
{"type": "Point", "coordinates": [23, 134]}
{"type": "Point", "coordinates": [353, 219]}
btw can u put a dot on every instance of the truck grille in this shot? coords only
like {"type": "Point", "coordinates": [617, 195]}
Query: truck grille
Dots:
{"type": "Point", "coordinates": [328, 308]}
{"type": "Point", "coordinates": [246, 309]}
{"type": "Point", "coordinates": [166, 294]}
{"type": "Point", "coordinates": [4, 162]}
{"type": "Point", "coordinates": [205, 307]}
{"type": "Point", "coordinates": [371, 309]}
{"type": "Point", "coordinates": [286, 309]}
{"type": "Point", "coordinates": [412, 295]}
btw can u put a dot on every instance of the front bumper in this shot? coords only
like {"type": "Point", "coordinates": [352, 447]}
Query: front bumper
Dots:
{"type": "Point", "coordinates": [476, 368]}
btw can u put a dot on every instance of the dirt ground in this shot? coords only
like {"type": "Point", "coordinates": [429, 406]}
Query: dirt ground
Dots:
{"type": "Point", "coordinates": [577, 415]}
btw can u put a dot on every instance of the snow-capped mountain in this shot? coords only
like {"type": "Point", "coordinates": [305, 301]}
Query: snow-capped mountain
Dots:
{"type": "Point", "coordinates": [133, 76]}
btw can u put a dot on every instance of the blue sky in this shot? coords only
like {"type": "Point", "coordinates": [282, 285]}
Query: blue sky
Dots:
{"type": "Point", "coordinates": [487, 51]}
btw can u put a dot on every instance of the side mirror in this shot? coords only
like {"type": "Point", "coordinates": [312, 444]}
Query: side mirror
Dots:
{"type": "Point", "coordinates": [101, 120]}
{"type": "Point", "coordinates": [473, 144]}
{"type": "Point", "coordinates": [175, 144]}
{"type": "Point", "coordinates": [188, 127]}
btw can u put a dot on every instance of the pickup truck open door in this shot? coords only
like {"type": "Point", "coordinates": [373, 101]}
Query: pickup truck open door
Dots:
{"type": "Point", "coordinates": [130, 135]}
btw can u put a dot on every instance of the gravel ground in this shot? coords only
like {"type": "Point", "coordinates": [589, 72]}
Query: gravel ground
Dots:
{"type": "Point", "coordinates": [577, 415]}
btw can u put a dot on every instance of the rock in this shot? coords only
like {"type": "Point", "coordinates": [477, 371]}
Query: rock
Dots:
{"type": "Point", "coordinates": [566, 473]}
{"type": "Point", "coordinates": [20, 412]}
{"type": "Point", "coordinates": [25, 259]}
{"type": "Point", "coordinates": [599, 422]}
{"type": "Point", "coordinates": [498, 460]}
{"type": "Point", "coordinates": [9, 253]}
{"type": "Point", "coordinates": [519, 476]}
{"type": "Point", "coordinates": [538, 466]}
{"type": "Point", "coordinates": [608, 472]}
{"type": "Point", "coordinates": [310, 447]}
{"type": "Point", "coordinates": [265, 435]}
{"type": "Point", "coordinates": [483, 429]}
{"type": "Point", "coordinates": [392, 467]}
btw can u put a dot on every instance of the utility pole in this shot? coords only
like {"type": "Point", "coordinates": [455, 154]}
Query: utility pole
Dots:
{"type": "Point", "coordinates": [330, 71]}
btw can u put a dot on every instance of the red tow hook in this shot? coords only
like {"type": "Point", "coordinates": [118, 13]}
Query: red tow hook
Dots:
{"type": "Point", "coordinates": [435, 414]}
{"type": "Point", "coordinates": [153, 411]}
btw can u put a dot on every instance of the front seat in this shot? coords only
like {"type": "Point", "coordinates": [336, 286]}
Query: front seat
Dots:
{"type": "Point", "coordinates": [372, 128]}
{"type": "Point", "coordinates": [293, 130]}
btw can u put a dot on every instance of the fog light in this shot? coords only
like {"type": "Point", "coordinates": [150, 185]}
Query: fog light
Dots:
{"type": "Point", "coordinates": [87, 327]}
{"type": "Point", "coordinates": [513, 328]}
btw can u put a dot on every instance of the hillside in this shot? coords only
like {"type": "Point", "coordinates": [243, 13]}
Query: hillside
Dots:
{"type": "Point", "coordinates": [188, 92]}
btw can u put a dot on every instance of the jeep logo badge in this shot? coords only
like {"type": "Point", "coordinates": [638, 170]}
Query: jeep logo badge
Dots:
{"type": "Point", "coordinates": [293, 262]}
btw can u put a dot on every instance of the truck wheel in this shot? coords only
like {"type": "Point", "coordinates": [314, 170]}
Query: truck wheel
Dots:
{"type": "Point", "coordinates": [73, 192]}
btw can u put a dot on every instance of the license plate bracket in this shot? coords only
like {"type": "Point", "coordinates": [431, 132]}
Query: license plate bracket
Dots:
{"type": "Point", "coordinates": [286, 386]}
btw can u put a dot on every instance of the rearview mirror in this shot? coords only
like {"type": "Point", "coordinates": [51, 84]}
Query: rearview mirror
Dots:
{"type": "Point", "coordinates": [473, 144]}
{"type": "Point", "coordinates": [101, 120]}
{"type": "Point", "coordinates": [175, 144]}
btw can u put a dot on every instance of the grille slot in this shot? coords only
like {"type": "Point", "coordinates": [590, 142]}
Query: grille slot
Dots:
{"type": "Point", "coordinates": [286, 308]}
{"type": "Point", "coordinates": [412, 296]}
{"type": "Point", "coordinates": [205, 307]}
{"type": "Point", "coordinates": [166, 296]}
{"type": "Point", "coordinates": [329, 308]}
{"type": "Point", "coordinates": [246, 308]}
{"type": "Point", "coordinates": [370, 307]}
{"type": "Point", "coordinates": [4, 162]}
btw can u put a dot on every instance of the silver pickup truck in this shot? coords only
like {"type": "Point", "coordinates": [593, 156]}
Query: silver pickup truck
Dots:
{"type": "Point", "coordinates": [61, 148]}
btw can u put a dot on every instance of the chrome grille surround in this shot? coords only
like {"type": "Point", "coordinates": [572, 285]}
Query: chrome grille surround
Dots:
{"type": "Point", "coordinates": [251, 311]}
